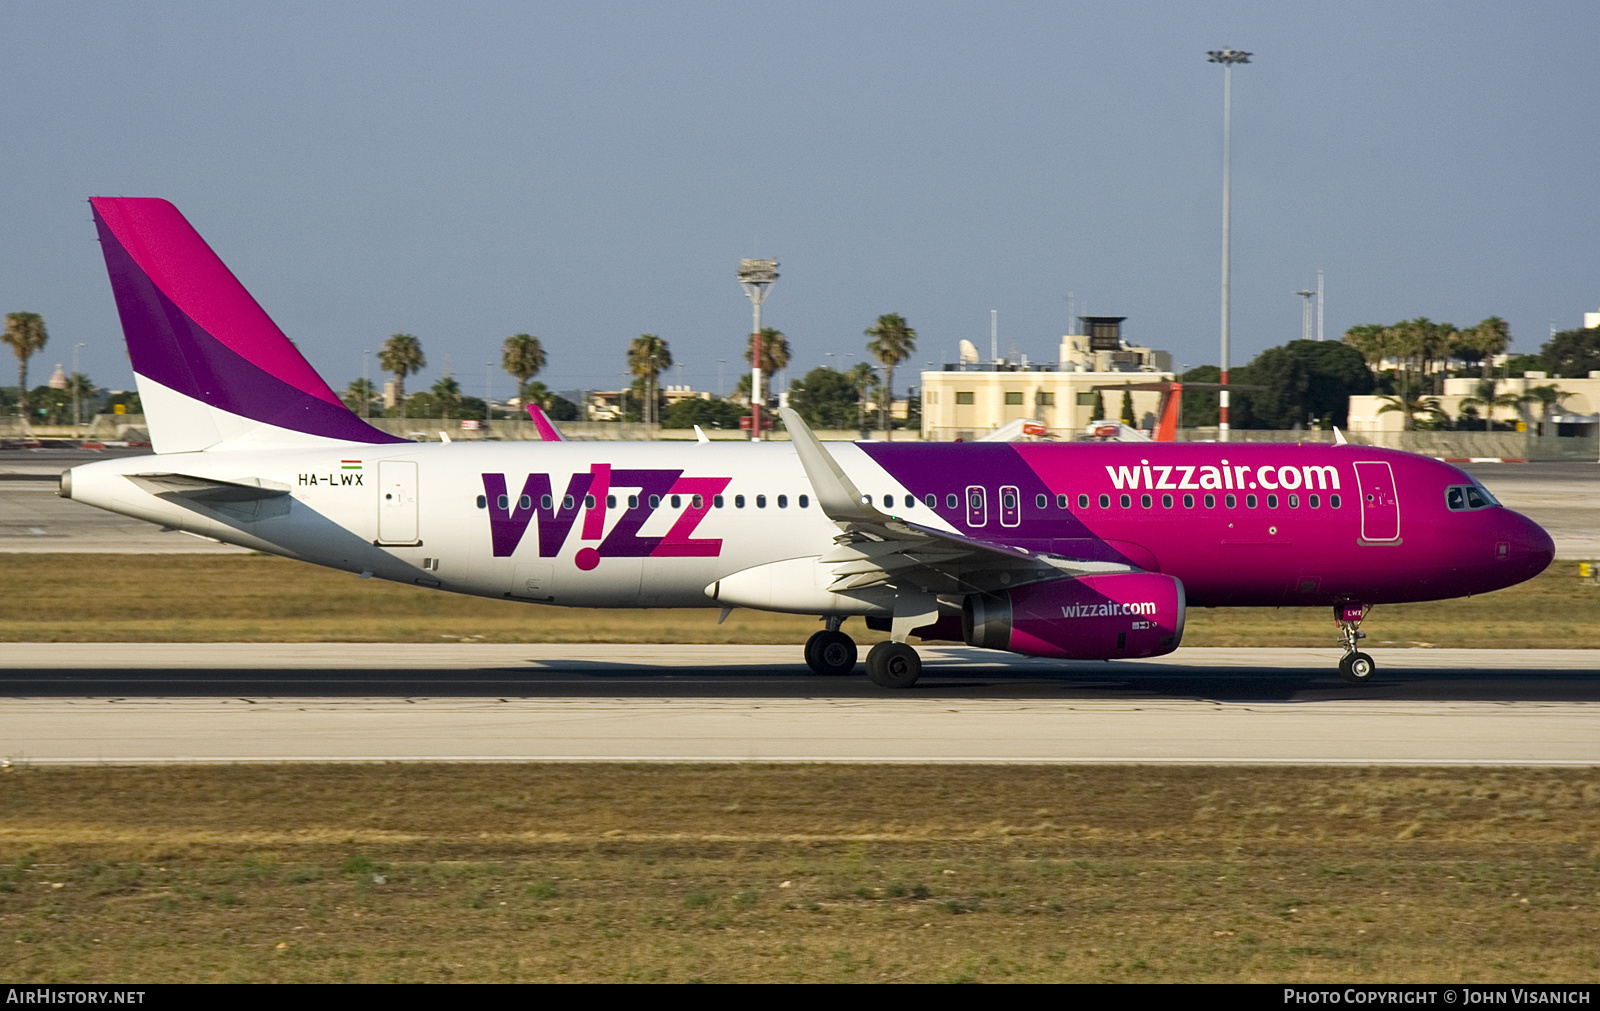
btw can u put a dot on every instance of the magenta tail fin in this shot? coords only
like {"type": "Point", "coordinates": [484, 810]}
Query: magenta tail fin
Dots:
{"type": "Point", "coordinates": [213, 368]}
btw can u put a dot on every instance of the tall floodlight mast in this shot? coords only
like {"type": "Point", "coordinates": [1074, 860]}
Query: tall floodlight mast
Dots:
{"type": "Point", "coordinates": [1305, 313]}
{"type": "Point", "coordinates": [1226, 57]}
{"type": "Point", "coordinates": [757, 276]}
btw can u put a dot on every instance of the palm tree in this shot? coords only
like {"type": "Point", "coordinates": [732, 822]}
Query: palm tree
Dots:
{"type": "Point", "coordinates": [523, 357]}
{"type": "Point", "coordinates": [1485, 396]}
{"type": "Point", "coordinates": [647, 356]}
{"type": "Point", "coordinates": [892, 342]}
{"type": "Point", "coordinates": [774, 352]}
{"type": "Point", "coordinates": [401, 354]}
{"type": "Point", "coordinates": [359, 395]}
{"type": "Point", "coordinates": [1487, 339]}
{"type": "Point", "coordinates": [865, 379]}
{"type": "Point", "coordinates": [26, 334]}
{"type": "Point", "coordinates": [448, 392]}
{"type": "Point", "coordinates": [1547, 397]}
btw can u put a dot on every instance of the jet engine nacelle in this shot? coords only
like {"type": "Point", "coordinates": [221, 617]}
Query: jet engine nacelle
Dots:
{"type": "Point", "coordinates": [1103, 617]}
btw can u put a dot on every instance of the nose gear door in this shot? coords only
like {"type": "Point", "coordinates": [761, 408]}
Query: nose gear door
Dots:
{"type": "Point", "coordinates": [1380, 505]}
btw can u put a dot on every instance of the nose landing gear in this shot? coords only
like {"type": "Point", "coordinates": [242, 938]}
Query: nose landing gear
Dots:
{"type": "Point", "coordinates": [1355, 666]}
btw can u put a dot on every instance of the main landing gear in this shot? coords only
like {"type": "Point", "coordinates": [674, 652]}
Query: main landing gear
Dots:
{"type": "Point", "coordinates": [830, 652]}
{"type": "Point", "coordinates": [1355, 666]}
{"type": "Point", "coordinates": [893, 665]}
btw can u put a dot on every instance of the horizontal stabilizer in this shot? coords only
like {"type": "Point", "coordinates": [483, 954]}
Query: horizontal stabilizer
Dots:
{"type": "Point", "coordinates": [207, 489]}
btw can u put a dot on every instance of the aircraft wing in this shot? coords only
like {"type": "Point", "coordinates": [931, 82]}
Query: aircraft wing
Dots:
{"type": "Point", "coordinates": [874, 548]}
{"type": "Point", "coordinates": [207, 489]}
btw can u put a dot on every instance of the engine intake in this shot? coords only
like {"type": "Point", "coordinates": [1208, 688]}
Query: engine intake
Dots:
{"type": "Point", "coordinates": [1129, 614]}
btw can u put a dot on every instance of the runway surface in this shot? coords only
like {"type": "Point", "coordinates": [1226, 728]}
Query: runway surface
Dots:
{"type": "Point", "coordinates": [76, 703]}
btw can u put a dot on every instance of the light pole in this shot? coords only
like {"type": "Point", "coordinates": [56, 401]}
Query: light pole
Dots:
{"type": "Point", "coordinates": [757, 277]}
{"type": "Point", "coordinates": [366, 383]}
{"type": "Point", "coordinates": [720, 363]}
{"type": "Point", "coordinates": [1305, 313]}
{"type": "Point", "coordinates": [1226, 57]}
{"type": "Point", "coordinates": [488, 385]}
{"type": "Point", "coordinates": [77, 392]}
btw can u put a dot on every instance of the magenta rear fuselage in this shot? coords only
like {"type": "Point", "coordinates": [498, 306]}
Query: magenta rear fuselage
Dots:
{"type": "Point", "coordinates": [1239, 524]}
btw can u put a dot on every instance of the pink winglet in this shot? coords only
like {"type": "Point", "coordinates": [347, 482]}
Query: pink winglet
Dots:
{"type": "Point", "coordinates": [168, 249]}
{"type": "Point", "coordinates": [547, 431]}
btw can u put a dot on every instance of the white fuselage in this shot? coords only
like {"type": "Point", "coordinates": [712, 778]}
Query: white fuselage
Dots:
{"type": "Point", "coordinates": [631, 536]}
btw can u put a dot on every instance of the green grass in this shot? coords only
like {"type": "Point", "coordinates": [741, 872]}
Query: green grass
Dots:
{"type": "Point", "coordinates": [240, 598]}
{"type": "Point", "coordinates": [814, 873]}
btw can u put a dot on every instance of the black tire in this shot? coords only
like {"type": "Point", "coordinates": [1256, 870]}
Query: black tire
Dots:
{"type": "Point", "coordinates": [831, 654]}
{"type": "Point", "coordinates": [893, 665]}
{"type": "Point", "coordinates": [1357, 668]}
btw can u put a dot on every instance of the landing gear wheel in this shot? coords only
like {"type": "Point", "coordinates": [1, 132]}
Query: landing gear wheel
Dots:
{"type": "Point", "coordinates": [893, 665]}
{"type": "Point", "coordinates": [1357, 668]}
{"type": "Point", "coordinates": [831, 654]}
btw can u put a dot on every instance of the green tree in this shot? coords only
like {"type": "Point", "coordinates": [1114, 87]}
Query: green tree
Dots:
{"type": "Point", "coordinates": [827, 398]}
{"type": "Point", "coordinates": [401, 355]}
{"type": "Point", "coordinates": [448, 393]}
{"type": "Point", "coordinates": [1482, 342]}
{"type": "Point", "coordinates": [1570, 354]}
{"type": "Point", "coordinates": [864, 378]}
{"type": "Point", "coordinates": [523, 357]}
{"type": "Point", "coordinates": [1127, 416]}
{"type": "Point", "coordinates": [360, 396]}
{"type": "Point", "coordinates": [1548, 397]}
{"type": "Point", "coordinates": [692, 411]}
{"type": "Point", "coordinates": [26, 334]}
{"type": "Point", "coordinates": [774, 351]}
{"type": "Point", "coordinates": [647, 356]}
{"type": "Point", "coordinates": [1484, 396]}
{"type": "Point", "coordinates": [892, 342]}
{"type": "Point", "coordinates": [1200, 406]}
{"type": "Point", "coordinates": [1280, 400]}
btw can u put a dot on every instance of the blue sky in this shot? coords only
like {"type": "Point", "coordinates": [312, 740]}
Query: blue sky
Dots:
{"type": "Point", "coordinates": [590, 172]}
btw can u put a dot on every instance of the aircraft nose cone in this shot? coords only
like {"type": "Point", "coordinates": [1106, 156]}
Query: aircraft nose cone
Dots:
{"type": "Point", "coordinates": [1527, 547]}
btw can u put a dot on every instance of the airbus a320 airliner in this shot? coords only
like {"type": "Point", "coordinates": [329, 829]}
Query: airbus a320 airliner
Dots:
{"type": "Point", "coordinates": [1081, 551]}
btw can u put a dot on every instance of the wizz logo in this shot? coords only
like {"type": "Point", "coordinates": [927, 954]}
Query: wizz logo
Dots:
{"type": "Point", "coordinates": [537, 505]}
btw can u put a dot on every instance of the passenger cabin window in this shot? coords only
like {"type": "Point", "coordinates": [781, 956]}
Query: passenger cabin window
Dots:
{"type": "Point", "coordinates": [783, 501]}
{"type": "Point", "coordinates": [1105, 501]}
{"type": "Point", "coordinates": [738, 501]}
{"type": "Point", "coordinates": [951, 501]}
{"type": "Point", "coordinates": [804, 501]}
{"type": "Point", "coordinates": [931, 501]}
{"type": "Point", "coordinates": [761, 501]}
{"type": "Point", "coordinates": [716, 500]}
{"type": "Point", "coordinates": [1083, 502]}
{"type": "Point", "coordinates": [1041, 501]}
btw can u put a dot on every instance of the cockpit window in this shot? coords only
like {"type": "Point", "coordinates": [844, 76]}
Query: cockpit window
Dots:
{"type": "Point", "coordinates": [1466, 497]}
